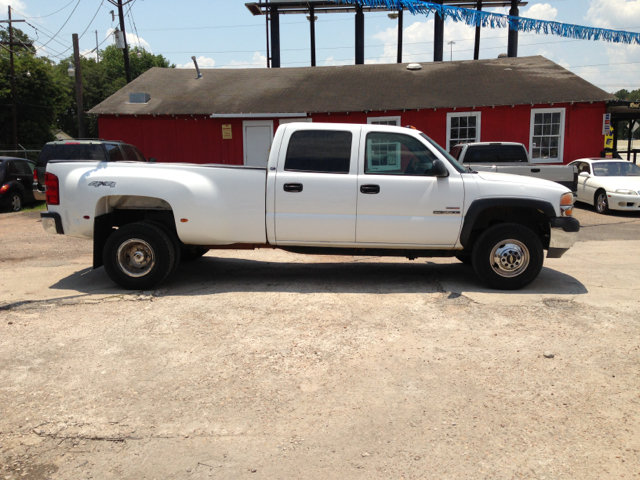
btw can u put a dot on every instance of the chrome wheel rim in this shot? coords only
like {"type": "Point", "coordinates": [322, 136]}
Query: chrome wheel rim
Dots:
{"type": "Point", "coordinates": [602, 202]}
{"type": "Point", "coordinates": [16, 204]}
{"type": "Point", "coordinates": [509, 258]}
{"type": "Point", "coordinates": [135, 257]}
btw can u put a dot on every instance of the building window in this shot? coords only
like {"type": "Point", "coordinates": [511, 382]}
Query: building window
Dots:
{"type": "Point", "coordinates": [546, 141]}
{"type": "Point", "coordinates": [463, 127]}
{"type": "Point", "coordinates": [384, 121]}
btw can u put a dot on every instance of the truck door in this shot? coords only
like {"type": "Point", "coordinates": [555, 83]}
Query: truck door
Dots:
{"type": "Point", "coordinates": [399, 201]}
{"type": "Point", "coordinates": [315, 186]}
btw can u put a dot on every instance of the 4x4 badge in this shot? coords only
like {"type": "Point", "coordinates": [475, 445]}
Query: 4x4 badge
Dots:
{"type": "Point", "coordinates": [102, 184]}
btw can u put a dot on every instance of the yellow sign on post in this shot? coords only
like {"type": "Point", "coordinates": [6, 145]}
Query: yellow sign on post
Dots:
{"type": "Point", "coordinates": [608, 141]}
{"type": "Point", "coordinates": [226, 132]}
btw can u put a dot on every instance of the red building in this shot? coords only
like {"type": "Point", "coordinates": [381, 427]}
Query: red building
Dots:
{"type": "Point", "coordinates": [230, 115]}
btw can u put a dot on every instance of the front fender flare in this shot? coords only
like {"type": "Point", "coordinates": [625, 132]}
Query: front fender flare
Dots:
{"type": "Point", "coordinates": [478, 206]}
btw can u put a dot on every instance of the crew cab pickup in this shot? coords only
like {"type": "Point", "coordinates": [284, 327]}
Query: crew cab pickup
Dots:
{"type": "Point", "coordinates": [509, 157]}
{"type": "Point", "coordinates": [339, 189]}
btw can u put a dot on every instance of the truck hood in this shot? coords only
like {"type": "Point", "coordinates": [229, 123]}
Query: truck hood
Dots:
{"type": "Point", "coordinates": [545, 185]}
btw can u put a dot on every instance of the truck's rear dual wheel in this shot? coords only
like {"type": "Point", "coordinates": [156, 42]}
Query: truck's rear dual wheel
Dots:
{"type": "Point", "coordinates": [139, 256]}
{"type": "Point", "coordinates": [508, 256]}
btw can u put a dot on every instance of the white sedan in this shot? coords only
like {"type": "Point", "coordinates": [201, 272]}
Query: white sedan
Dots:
{"type": "Point", "coordinates": [608, 184]}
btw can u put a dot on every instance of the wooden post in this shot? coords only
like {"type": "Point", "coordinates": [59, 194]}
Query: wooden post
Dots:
{"type": "Point", "coordinates": [76, 59]}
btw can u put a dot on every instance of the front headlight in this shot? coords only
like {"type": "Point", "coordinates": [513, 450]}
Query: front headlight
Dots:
{"type": "Point", "coordinates": [566, 204]}
{"type": "Point", "coordinates": [626, 192]}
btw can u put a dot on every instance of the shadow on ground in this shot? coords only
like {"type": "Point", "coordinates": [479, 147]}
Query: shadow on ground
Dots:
{"type": "Point", "coordinates": [211, 275]}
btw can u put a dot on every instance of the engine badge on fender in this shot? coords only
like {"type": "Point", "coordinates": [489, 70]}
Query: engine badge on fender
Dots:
{"type": "Point", "coordinates": [102, 184]}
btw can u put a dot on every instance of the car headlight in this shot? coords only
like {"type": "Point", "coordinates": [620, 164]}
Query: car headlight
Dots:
{"type": "Point", "coordinates": [626, 192]}
{"type": "Point", "coordinates": [566, 204]}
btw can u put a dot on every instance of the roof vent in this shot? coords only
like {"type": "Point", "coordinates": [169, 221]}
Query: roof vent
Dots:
{"type": "Point", "coordinates": [139, 98]}
{"type": "Point", "coordinates": [414, 66]}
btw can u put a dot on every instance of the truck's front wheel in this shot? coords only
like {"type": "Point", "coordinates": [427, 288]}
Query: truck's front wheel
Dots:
{"type": "Point", "coordinates": [138, 256]}
{"type": "Point", "coordinates": [508, 256]}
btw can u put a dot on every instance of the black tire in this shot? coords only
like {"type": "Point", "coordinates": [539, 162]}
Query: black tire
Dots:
{"type": "Point", "coordinates": [16, 202]}
{"type": "Point", "coordinates": [519, 255]}
{"type": "Point", "coordinates": [191, 253]}
{"type": "Point", "coordinates": [601, 202]}
{"type": "Point", "coordinates": [174, 239]}
{"type": "Point", "coordinates": [465, 258]}
{"type": "Point", "coordinates": [154, 252]}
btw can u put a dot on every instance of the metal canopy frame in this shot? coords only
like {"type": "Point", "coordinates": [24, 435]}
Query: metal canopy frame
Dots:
{"type": "Point", "coordinates": [274, 8]}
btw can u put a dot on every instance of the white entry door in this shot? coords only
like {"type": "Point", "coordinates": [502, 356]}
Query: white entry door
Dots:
{"type": "Point", "coordinates": [257, 136]}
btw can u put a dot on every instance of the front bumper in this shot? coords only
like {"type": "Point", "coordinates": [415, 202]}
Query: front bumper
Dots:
{"type": "Point", "coordinates": [619, 201]}
{"type": "Point", "coordinates": [563, 234]}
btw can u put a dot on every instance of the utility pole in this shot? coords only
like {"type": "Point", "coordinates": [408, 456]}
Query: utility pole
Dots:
{"type": "Point", "coordinates": [452, 43]}
{"type": "Point", "coordinates": [125, 51]}
{"type": "Point", "coordinates": [14, 107]}
{"type": "Point", "coordinates": [76, 59]}
{"type": "Point", "coordinates": [97, 51]}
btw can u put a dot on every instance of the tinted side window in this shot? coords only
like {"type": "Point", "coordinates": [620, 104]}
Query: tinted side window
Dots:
{"type": "Point", "coordinates": [23, 168]}
{"type": "Point", "coordinates": [139, 155]}
{"type": "Point", "coordinates": [70, 152]}
{"type": "Point", "coordinates": [13, 168]}
{"type": "Point", "coordinates": [455, 152]}
{"type": "Point", "coordinates": [319, 151]}
{"type": "Point", "coordinates": [114, 152]}
{"type": "Point", "coordinates": [129, 153]}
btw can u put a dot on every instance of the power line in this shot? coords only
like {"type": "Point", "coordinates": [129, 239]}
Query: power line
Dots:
{"type": "Point", "coordinates": [69, 18]}
{"type": "Point", "coordinates": [45, 16]}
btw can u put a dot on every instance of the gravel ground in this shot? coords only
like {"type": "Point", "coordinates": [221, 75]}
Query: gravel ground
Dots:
{"type": "Point", "coordinates": [267, 364]}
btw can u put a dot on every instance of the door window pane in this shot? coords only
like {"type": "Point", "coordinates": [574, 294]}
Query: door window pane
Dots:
{"type": "Point", "coordinates": [397, 154]}
{"type": "Point", "coordinates": [114, 152]}
{"type": "Point", "coordinates": [320, 151]}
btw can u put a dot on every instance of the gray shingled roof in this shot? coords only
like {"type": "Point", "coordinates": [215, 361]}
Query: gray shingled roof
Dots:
{"type": "Point", "coordinates": [352, 88]}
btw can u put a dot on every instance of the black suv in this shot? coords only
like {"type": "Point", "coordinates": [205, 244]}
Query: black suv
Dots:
{"type": "Point", "coordinates": [101, 150]}
{"type": "Point", "coordinates": [16, 177]}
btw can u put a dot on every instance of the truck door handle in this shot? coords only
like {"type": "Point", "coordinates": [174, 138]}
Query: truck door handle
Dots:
{"type": "Point", "coordinates": [370, 188]}
{"type": "Point", "coordinates": [292, 187]}
{"type": "Point", "coordinates": [535, 170]}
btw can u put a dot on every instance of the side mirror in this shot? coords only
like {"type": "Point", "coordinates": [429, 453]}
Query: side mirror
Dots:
{"type": "Point", "coordinates": [439, 169]}
{"type": "Point", "coordinates": [152, 160]}
{"type": "Point", "coordinates": [584, 174]}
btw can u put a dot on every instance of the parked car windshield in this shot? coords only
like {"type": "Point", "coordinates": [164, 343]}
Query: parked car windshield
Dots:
{"type": "Point", "coordinates": [616, 169]}
{"type": "Point", "coordinates": [446, 154]}
{"type": "Point", "coordinates": [70, 152]}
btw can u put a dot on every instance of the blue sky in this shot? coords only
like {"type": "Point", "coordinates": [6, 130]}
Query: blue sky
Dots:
{"type": "Point", "coordinates": [223, 34]}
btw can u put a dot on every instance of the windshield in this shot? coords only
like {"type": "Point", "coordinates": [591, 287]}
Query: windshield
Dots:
{"type": "Point", "coordinates": [446, 155]}
{"type": "Point", "coordinates": [616, 169]}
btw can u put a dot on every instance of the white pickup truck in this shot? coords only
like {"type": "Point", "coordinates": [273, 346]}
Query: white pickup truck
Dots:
{"type": "Point", "coordinates": [339, 189]}
{"type": "Point", "coordinates": [510, 157]}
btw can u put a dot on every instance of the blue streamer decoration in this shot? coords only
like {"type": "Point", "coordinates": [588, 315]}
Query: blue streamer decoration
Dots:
{"type": "Point", "coordinates": [476, 18]}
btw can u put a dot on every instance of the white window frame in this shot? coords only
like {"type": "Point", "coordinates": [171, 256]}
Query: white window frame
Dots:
{"type": "Point", "coordinates": [451, 115]}
{"type": "Point", "coordinates": [562, 112]}
{"type": "Point", "coordinates": [375, 120]}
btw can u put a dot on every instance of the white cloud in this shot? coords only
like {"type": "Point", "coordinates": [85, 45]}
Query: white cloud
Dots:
{"type": "Point", "coordinates": [257, 61]}
{"type": "Point", "coordinates": [132, 40]}
{"type": "Point", "coordinates": [541, 11]}
{"type": "Point", "coordinates": [15, 4]}
{"type": "Point", "coordinates": [331, 62]}
{"type": "Point", "coordinates": [615, 14]}
{"type": "Point", "coordinates": [203, 62]}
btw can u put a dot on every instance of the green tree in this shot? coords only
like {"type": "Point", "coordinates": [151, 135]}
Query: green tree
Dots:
{"type": "Point", "coordinates": [39, 94]}
{"type": "Point", "coordinates": [633, 96]}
